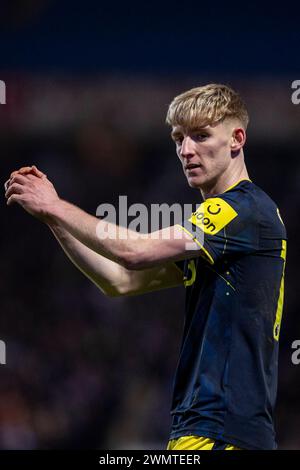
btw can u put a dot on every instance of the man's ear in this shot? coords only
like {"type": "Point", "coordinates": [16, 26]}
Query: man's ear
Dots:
{"type": "Point", "coordinates": [238, 139]}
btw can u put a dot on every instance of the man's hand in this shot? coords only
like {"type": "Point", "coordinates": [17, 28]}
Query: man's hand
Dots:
{"type": "Point", "coordinates": [30, 188]}
{"type": "Point", "coordinates": [25, 170]}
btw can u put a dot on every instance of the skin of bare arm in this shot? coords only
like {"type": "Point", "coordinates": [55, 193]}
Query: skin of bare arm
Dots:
{"type": "Point", "coordinates": [110, 277]}
{"type": "Point", "coordinates": [133, 250]}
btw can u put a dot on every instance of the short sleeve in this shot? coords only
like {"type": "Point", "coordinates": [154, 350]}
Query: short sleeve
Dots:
{"type": "Point", "coordinates": [224, 226]}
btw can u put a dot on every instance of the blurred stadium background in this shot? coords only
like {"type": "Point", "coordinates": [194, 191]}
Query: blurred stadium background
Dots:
{"type": "Point", "coordinates": [88, 86]}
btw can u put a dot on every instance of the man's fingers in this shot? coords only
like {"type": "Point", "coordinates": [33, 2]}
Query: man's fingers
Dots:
{"type": "Point", "coordinates": [37, 172]}
{"type": "Point", "coordinates": [23, 170]}
{"type": "Point", "coordinates": [14, 198]}
{"type": "Point", "coordinates": [27, 170]}
{"type": "Point", "coordinates": [21, 179]}
{"type": "Point", "coordinates": [14, 188]}
{"type": "Point", "coordinates": [6, 185]}
{"type": "Point", "coordinates": [31, 170]}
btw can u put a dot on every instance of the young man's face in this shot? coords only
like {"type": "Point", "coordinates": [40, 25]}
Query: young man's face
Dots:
{"type": "Point", "coordinates": [205, 153]}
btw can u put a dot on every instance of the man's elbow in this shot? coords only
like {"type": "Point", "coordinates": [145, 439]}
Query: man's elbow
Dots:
{"type": "Point", "coordinates": [123, 290]}
{"type": "Point", "coordinates": [115, 291]}
{"type": "Point", "coordinates": [135, 261]}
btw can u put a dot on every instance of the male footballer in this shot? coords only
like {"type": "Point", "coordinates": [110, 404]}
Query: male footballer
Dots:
{"type": "Point", "coordinates": [229, 255]}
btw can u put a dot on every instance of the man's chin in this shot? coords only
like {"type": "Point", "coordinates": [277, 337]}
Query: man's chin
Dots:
{"type": "Point", "coordinates": [195, 183]}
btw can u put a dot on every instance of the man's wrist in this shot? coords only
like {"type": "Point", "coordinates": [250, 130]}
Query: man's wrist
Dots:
{"type": "Point", "coordinates": [54, 212]}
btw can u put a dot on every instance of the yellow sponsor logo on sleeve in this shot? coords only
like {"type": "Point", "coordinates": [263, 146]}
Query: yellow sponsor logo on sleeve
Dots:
{"type": "Point", "coordinates": [213, 215]}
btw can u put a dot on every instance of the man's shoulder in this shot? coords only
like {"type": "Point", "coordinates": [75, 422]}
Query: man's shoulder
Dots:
{"type": "Point", "coordinates": [260, 207]}
{"type": "Point", "coordinates": [247, 194]}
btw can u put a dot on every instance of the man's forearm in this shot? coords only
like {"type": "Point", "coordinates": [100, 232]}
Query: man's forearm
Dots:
{"type": "Point", "coordinates": [110, 277]}
{"type": "Point", "coordinates": [130, 249]}
{"type": "Point", "coordinates": [93, 233]}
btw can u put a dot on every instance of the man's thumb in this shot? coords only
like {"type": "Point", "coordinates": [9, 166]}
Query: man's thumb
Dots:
{"type": "Point", "coordinates": [37, 172]}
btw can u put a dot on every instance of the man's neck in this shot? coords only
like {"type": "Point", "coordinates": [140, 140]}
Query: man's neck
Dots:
{"type": "Point", "coordinates": [225, 182]}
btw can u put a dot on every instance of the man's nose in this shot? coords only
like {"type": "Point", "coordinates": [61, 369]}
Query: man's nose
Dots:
{"type": "Point", "coordinates": [187, 147]}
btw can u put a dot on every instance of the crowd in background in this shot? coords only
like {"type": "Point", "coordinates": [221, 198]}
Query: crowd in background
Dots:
{"type": "Point", "coordinates": [88, 371]}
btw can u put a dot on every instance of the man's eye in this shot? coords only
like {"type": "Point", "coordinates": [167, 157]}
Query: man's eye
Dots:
{"type": "Point", "coordinates": [201, 137]}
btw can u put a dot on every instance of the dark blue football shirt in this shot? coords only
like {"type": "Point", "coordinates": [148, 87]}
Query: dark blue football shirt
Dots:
{"type": "Point", "coordinates": [226, 379]}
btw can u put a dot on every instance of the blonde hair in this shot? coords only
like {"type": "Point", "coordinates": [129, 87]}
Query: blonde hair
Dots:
{"type": "Point", "coordinates": [207, 105]}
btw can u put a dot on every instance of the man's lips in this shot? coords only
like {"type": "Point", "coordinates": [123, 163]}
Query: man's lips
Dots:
{"type": "Point", "coordinates": [191, 166]}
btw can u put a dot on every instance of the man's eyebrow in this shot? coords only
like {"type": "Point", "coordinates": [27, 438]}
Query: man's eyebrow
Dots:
{"type": "Point", "coordinates": [199, 129]}
{"type": "Point", "coordinates": [176, 133]}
